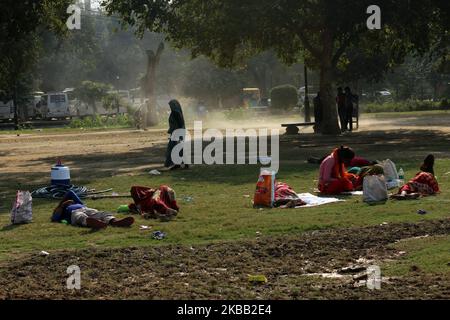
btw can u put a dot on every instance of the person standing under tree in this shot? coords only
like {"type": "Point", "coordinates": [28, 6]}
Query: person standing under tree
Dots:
{"type": "Point", "coordinates": [350, 98]}
{"type": "Point", "coordinates": [318, 112]}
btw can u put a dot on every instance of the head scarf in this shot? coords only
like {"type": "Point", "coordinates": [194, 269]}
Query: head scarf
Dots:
{"type": "Point", "coordinates": [339, 166]}
{"type": "Point", "coordinates": [175, 106]}
{"type": "Point", "coordinates": [176, 119]}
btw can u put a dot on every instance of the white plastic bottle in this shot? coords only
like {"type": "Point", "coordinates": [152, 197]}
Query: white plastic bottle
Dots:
{"type": "Point", "coordinates": [401, 177]}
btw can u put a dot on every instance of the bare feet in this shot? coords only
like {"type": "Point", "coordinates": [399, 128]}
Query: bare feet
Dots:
{"type": "Point", "coordinates": [125, 222]}
{"type": "Point", "coordinates": [95, 224]}
{"type": "Point", "coordinates": [408, 196]}
{"type": "Point", "coordinates": [170, 214]}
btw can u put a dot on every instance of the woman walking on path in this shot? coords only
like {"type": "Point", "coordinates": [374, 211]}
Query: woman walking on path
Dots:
{"type": "Point", "coordinates": [176, 121]}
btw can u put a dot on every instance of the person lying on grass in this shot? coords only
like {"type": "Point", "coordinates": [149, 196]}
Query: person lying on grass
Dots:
{"type": "Point", "coordinates": [423, 184]}
{"type": "Point", "coordinates": [376, 169]}
{"type": "Point", "coordinates": [333, 176]}
{"type": "Point", "coordinates": [76, 213]}
{"type": "Point", "coordinates": [286, 197]}
{"type": "Point", "coordinates": [154, 203]}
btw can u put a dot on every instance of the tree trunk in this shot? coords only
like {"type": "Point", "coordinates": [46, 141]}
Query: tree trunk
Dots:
{"type": "Point", "coordinates": [149, 85]}
{"type": "Point", "coordinates": [330, 123]}
{"type": "Point", "coordinates": [94, 108]}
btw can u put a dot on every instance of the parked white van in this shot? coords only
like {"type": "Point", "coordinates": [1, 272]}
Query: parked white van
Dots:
{"type": "Point", "coordinates": [55, 105]}
{"type": "Point", "coordinates": [6, 110]}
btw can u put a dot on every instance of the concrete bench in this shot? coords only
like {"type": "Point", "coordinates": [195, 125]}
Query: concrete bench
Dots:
{"type": "Point", "coordinates": [292, 128]}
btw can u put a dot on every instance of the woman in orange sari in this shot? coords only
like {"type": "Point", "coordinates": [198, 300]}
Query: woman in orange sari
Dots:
{"type": "Point", "coordinates": [333, 176]}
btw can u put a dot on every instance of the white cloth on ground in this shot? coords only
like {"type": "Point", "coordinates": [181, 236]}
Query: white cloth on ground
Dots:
{"type": "Point", "coordinates": [313, 201]}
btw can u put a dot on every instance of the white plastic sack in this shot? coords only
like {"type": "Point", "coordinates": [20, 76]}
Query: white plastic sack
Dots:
{"type": "Point", "coordinates": [390, 170]}
{"type": "Point", "coordinates": [374, 189]}
{"type": "Point", "coordinates": [21, 211]}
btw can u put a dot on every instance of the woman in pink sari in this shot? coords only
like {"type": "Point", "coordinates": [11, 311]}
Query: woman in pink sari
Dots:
{"type": "Point", "coordinates": [333, 176]}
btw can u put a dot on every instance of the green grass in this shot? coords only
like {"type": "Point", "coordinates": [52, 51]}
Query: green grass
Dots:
{"type": "Point", "coordinates": [430, 255]}
{"type": "Point", "coordinates": [401, 106]}
{"type": "Point", "coordinates": [399, 115]}
{"type": "Point", "coordinates": [220, 210]}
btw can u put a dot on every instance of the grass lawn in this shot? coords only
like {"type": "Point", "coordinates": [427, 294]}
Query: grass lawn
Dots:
{"type": "Point", "coordinates": [424, 254]}
{"type": "Point", "coordinates": [216, 209]}
{"type": "Point", "coordinates": [220, 209]}
{"type": "Point", "coordinates": [399, 115]}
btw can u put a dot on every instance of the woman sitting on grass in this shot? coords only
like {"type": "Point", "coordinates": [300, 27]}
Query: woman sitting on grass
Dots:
{"type": "Point", "coordinates": [333, 177]}
{"type": "Point", "coordinates": [423, 184]}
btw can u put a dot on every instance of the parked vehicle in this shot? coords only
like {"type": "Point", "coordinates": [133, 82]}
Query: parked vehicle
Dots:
{"type": "Point", "coordinates": [252, 100]}
{"type": "Point", "coordinates": [312, 92]}
{"type": "Point", "coordinates": [6, 111]}
{"type": "Point", "coordinates": [33, 107]}
{"type": "Point", "coordinates": [251, 97]}
{"type": "Point", "coordinates": [55, 105]}
{"type": "Point", "coordinates": [384, 93]}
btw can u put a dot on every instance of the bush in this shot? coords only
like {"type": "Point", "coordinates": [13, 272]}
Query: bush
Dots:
{"type": "Point", "coordinates": [236, 113]}
{"type": "Point", "coordinates": [283, 97]}
{"type": "Point", "coordinates": [444, 104]}
{"type": "Point", "coordinates": [103, 122]}
{"type": "Point", "coordinates": [401, 106]}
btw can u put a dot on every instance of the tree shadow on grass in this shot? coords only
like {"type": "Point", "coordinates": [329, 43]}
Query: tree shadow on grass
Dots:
{"type": "Point", "coordinates": [10, 227]}
{"type": "Point", "coordinates": [294, 150]}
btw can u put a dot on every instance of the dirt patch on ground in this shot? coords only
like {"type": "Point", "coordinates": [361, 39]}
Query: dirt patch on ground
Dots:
{"type": "Point", "coordinates": [220, 271]}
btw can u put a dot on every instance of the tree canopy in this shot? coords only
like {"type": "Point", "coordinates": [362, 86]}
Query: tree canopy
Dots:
{"type": "Point", "coordinates": [21, 22]}
{"type": "Point", "coordinates": [321, 32]}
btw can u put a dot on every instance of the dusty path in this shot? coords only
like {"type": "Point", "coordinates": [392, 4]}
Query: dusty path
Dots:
{"type": "Point", "coordinates": [32, 153]}
{"type": "Point", "coordinates": [219, 271]}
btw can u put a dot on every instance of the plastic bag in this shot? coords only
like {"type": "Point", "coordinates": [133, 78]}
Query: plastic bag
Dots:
{"type": "Point", "coordinates": [21, 211]}
{"type": "Point", "coordinates": [374, 189]}
{"type": "Point", "coordinates": [390, 170]}
{"type": "Point", "coordinates": [265, 189]}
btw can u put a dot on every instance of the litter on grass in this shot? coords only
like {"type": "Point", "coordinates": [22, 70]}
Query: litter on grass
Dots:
{"type": "Point", "coordinates": [352, 193]}
{"type": "Point", "coordinates": [158, 235]}
{"type": "Point", "coordinates": [258, 278]}
{"type": "Point", "coordinates": [123, 208]}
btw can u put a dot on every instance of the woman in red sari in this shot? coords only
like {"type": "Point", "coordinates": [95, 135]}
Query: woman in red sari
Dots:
{"type": "Point", "coordinates": [154, 203]}
{"type": "Point", "coordinates": [333, 176]}
{"type": "Point", "coordinates": [423, 184]}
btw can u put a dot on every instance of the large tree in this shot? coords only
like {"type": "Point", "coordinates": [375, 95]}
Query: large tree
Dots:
{"type": "Point", "coordinates": [21, 24]}
{"type": "Point", "coordinates": [317, 31]}
{"type": "Point", "coordinates": [210, 84]}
